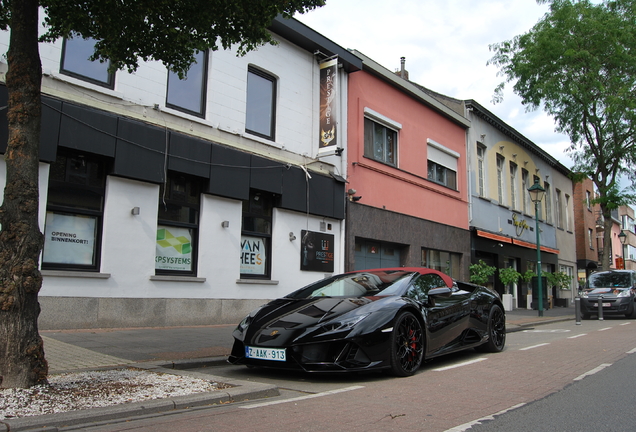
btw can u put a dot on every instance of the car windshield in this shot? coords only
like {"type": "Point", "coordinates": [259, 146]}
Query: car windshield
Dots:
{"type": "Point", "coordinates": [360, 284]}
{"type": "Point", "coordinates": [609, 280]}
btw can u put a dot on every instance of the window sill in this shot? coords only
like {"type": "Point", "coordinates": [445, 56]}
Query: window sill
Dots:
{"type": "Point", "coordinates": [257, 281]}
{"type": "Point", "coordinates": [75, 274]}
{"type": "Point", "coordinates": [169, 278]}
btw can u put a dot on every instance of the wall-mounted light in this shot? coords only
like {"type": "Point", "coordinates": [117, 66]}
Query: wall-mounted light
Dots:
{"type": "Point", "coordinates": [323, 226]}
{"type": "Point", "coordinates": [501, 148]}
{"type": "Point", "coordinates": [225, 224]}
{"type": "Point", "coordinates": [351, 192]}
{"type": "Point", "coordinates": [355, 198]}
{"type": "Point", "coordinates": [292, 237]}
{"type": "Point", "coordinates": [134, 211]}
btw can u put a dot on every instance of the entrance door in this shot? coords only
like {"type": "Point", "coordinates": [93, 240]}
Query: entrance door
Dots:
{"type": "Point", "coordinates": [372, 254]}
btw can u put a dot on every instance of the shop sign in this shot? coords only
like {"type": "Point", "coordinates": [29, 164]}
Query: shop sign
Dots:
{"type": "Point", "coordinates": [317, 252]}
{"type": "Point", "coordinates": [520, 225]}
{"type": "Point", "coordinates": [253, 255]}
{"type": "Point", "coordinates": [174, 249]}
{"type": "Point", "coordinates": [328, 103]}
{"type": "Point", "coordinates": [69, 239]}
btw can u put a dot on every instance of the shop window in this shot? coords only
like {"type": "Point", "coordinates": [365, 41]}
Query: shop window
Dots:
{"type": "Point", "coordinates": [74, 212]}
{"type": "Point", "coordinates": [261, 104]}
{"type": "Point", "coordinates": [178, 224]}
{"type": "Point", "coordinates": [75, 62]}
{"type": "Point", "coordinates": [380, 142]}
{"type": "Point", "coordinates": [446, 262]}
{"type": "Point", "coordinates": [256, 236]}
{"type": "Point", "coordinates": [188, 94]}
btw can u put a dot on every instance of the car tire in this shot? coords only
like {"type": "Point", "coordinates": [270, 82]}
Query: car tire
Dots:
{"type": "Point", "coordinates": [496, 331]}
{"type": "Point", "coordinates": [407, 345]}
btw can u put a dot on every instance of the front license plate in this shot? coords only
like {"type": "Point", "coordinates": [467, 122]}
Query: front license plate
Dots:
{"type": "Point", "coordinates": [607, 305]}
{"type": "Point", "coordinates": [276, 354]}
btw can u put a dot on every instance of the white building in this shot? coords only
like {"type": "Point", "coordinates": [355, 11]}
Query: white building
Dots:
{"type": "Point", "coordinates": [183, 202]}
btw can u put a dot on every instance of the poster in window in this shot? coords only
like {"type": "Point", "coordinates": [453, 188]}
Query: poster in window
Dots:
{"type": "Point", "coordinates": [317, 251]}
{"type": "Point", "coordinates": [253, 255]}
{"type": "Point", "coordinates": [174, 249]}
{"type": "Point", "coordinates": [328, 103]}
{"type": "Point", "coordinates": [69, 239]}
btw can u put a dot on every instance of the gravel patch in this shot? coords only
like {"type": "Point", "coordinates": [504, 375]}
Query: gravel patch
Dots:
{"type": "Point", "coordinates": [83, 390]}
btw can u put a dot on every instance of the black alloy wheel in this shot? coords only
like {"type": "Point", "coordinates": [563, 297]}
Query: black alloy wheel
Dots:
{"type": "Point", "coordinates": [496, 331]}
{"type": "Point", "coordinates": [407, 345]}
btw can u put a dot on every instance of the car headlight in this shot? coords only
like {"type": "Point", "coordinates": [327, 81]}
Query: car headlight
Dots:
{"type": "Point", "coordinates": [245, 323]}
{"type": "Point", "coordinates": [343, 325]}
{"type": "Point", "coordinates": [624, 293]}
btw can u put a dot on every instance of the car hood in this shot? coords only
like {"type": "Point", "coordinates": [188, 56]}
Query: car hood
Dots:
{"type": "Point", "coordinates": [283, 321]}
{"type": "Point", "coordinates": [605, 292]}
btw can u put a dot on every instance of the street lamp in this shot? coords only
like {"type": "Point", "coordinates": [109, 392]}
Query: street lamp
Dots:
{"type": "Point", "coordinates": [536, 195]}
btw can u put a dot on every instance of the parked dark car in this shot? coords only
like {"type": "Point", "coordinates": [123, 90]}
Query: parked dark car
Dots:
{"type": "Point", "coordinates": [615, 289]}
{"type": "Point", "coordinates": [392, 319]}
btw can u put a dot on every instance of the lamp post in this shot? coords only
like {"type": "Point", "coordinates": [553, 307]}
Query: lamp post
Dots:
{"type": "Point", "coordinates": [536, 195]}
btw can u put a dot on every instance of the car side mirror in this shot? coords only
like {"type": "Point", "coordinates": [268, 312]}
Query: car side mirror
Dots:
{"type": "Point", "coordinates": [440, 292]}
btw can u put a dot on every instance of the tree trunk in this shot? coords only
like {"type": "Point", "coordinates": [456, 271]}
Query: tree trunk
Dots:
{"type": "Point", "coordinates": [22, 362]}
{"type": "Point", "coordinates": [607, 257]}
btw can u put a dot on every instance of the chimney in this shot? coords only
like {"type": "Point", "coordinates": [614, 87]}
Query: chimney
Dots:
{"type": "Point", "coordinates": [403, 73]}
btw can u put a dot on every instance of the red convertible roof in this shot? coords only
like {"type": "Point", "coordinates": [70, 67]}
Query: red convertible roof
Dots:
{"type": "Point", "coordinates": [420, 270]}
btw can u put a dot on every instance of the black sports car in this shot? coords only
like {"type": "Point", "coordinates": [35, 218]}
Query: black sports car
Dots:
{"type": "Point", "coordinates": [390, 318]}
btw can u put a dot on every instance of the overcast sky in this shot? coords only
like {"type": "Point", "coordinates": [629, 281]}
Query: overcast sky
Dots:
{"type": "Point", "coordinates": [445, 43]}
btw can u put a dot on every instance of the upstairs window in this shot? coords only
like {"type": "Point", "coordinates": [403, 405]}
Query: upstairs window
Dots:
{"type": "Point", "coordinates": [548, 202]}
{"type": "Point", "coordinates": [380, 142]}
{"type": "Point", "coordinates": [525, 180]}
{"type": "Point", "coordinates": [513, 185]}
{"type": "Point", "coordinates": [481, 154]}
{"type": "Point", "coordinates": [500, 179]}
{"type": "Point", "coordinates": [188, 94]}
{"type": "Point", "coordinates": [442, 164]}
{"type": "Point", "coordinates": [261, 104]}
{"type": "Point", "coordinates": [75, 62]}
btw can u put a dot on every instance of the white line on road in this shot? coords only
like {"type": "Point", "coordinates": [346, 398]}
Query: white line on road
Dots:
{"type": "Point", "coordinates": [627, 323]}
{"type": "Point", "coordinates": [631, 351]}
{"type": "Point", "coordinates": [576, 336]}
{"type": "Point", "coordinates": [533, 346]}
{"type": "Point", "coordinates": [593, 371]}
{"type": "Point", "coordinates": [466, 426]}
{"type": "Point", "coordinates": [311, 396]}
{"type": "Point", "coordinates": [606, 328]}
{"type": "Point", "coordinates": [460, 364]}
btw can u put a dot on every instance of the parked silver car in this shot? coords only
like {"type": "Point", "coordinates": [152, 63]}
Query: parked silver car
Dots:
{"type": "Point", "coordinates": [615, 289]}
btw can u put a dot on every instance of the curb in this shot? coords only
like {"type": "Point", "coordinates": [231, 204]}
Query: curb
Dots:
{"type": "Point", "coordinates": [242, 391]}
{"type": "Point", "coordinates": [511, 327]}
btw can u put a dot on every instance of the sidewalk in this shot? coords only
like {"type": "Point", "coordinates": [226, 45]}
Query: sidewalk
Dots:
{"type": "Point", "coordinates": [169, 350]}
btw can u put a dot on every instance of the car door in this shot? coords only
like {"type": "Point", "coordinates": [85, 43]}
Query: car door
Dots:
{"type": "Point", "coordinates": [446, 315]}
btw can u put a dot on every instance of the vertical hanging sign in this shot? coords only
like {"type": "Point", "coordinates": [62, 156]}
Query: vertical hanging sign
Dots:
{"type": "Point", "coordinates": [328, 103]}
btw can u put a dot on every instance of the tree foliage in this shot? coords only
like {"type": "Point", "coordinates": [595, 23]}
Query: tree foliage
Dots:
{"type": "Point", "coordinates": [125, 32]}
{"type": "Point", "coordinates": [579, 64]}
{"type": "Point", "coordinates": [481, 272]}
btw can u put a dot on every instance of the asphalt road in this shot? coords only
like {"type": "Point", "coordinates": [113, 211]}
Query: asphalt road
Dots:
{"type": "Point", "coordinates": [455, 393]}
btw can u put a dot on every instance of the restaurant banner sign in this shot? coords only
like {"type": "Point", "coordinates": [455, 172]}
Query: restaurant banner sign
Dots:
{"type": "Point", "coordinates": [328, 105]}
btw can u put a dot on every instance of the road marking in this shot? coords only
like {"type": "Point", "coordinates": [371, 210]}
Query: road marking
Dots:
{"type": "Point", "coordinates": [466, 426]}
{"type": "Point", "coordinates": [460, 364]}
{"type": "Point", "coordinates": [548, 331]}
{"type": "Point", "coordinates": [300, 398]}
{"type": "Point", "coordinates": [627, 323]}
{"type": "Point", "coordinates": [533, 346]}
{"type": "Point", "coordinates": [576, 336]}
{"type": "Point", "coordinates": [593, 371]}
{"type": "Point", "coordinates": [631, 351]}
{"type": "Point", "coordinates": [606, 328]}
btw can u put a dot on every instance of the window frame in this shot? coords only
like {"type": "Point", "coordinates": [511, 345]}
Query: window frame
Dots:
{"type": "Point", "coordinates": [513, 185]}
{"type": "Point", "coordinates": [435, 171]}
{"type": "Point", "coordinates": [203, 86]}
{"type": "Point", "coordinates": [266, 217]}
{"type": "Point", "coordinates": [170, 198]}
{"type": "Point", "coordinates": [110, 81]}
{"type": "Point", "coordinates": [481, 157]}
{"type": "Point", "coordinates": [70, 184]}
{"type": "Point", "coordinates": [250, 112]}
{"type": "Point", "coordinates": [371, 123]}
{"type": "Point", "coordinates": [501, 162]}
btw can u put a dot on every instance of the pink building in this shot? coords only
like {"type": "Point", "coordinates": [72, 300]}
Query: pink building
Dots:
{"type": "Point", "coordinates": [407, 176]}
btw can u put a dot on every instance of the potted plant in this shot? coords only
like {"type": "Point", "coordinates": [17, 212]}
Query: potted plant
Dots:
{"type": "Point", "coordinates": [508, 276]}
{"type": "Point", "coordinates": [560, 280]}
{"type": "Point", "coordinates": [481, 272]}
